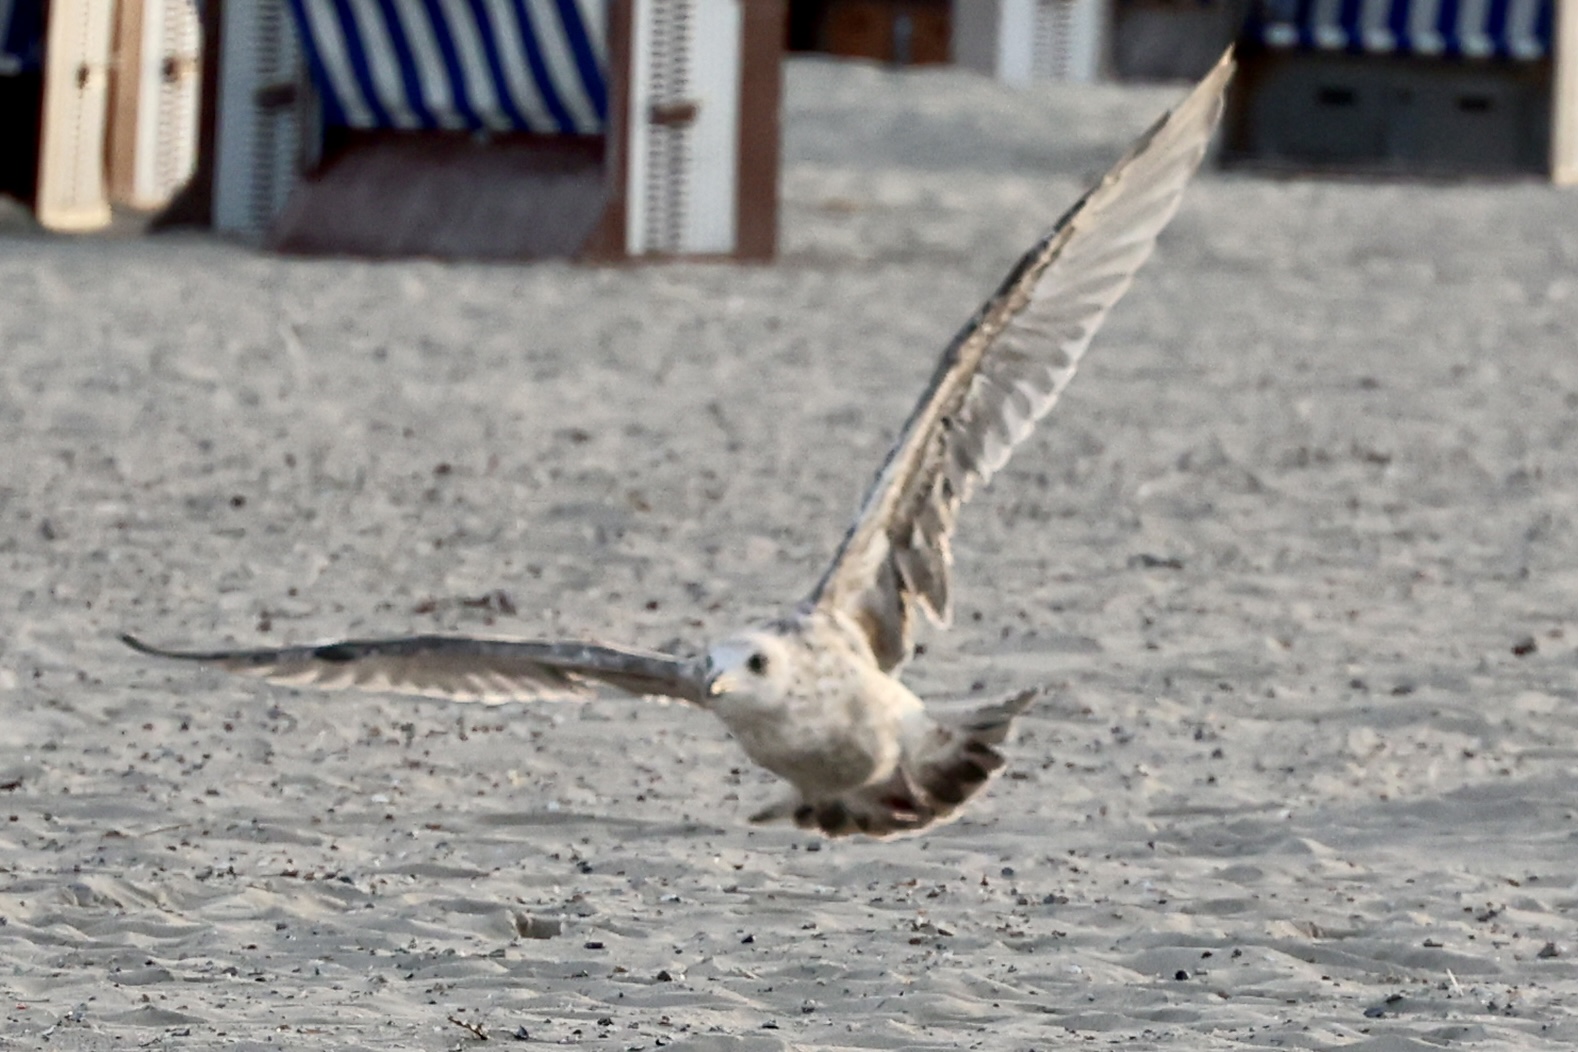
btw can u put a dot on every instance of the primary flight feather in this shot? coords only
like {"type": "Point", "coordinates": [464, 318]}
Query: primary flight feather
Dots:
{"type": "Point", "coordinates": [814, 697]}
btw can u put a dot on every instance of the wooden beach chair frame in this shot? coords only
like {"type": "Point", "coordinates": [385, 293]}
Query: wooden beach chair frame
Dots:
{"type": "Point", "coordinates": [639, 191]}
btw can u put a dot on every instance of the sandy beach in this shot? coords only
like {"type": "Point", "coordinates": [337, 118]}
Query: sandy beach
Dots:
{"type": "Point", "coordinates": [1296, 556]}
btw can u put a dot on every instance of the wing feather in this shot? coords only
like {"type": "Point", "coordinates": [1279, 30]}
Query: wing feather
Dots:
{"type": "Point", "coordinates": [1002, 373]}
{"type": "Point", "coordinates": [492, 671]}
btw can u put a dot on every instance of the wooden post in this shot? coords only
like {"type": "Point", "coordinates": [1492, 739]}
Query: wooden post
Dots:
{"type": "Point", "coordinates": [126, 64]}
{"type": "Point", "coordinates": [1564, 89]}
{"type": "Point", "coordinates": [71, 189]}
{"type": "Point", "coordinates": [754, 140]}
{"type": "Point", "coordinates": [607, 242]}
{"type": "Point", "coordinates": [761, 79]}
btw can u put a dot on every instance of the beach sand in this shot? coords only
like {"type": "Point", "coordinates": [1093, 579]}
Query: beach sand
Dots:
{"type": "Point", "coordinates": [1296, 556]}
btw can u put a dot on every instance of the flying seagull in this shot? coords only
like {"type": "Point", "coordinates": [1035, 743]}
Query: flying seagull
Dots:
{"type": "Point", "coordinates": [814, 697]}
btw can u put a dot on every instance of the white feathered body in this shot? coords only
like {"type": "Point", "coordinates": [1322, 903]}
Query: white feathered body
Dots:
{"type": "Point", "coordinates": [807, 700]}
{"type": "Point", "coordinates": [820, 714]}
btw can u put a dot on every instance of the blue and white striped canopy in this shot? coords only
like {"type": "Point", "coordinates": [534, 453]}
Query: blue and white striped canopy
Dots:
{"type": "Point", "coordinates": [497, 65]}
{"type": "Point", "coordinates": [21, 36]}
{"type": "Point", "coordinates": [1476, 29]}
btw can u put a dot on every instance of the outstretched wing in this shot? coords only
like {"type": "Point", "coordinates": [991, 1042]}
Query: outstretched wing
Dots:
{"type": "Point", "coordinates": [1002, 373]}
{"type": "Point", "coordinates": [492, 671]}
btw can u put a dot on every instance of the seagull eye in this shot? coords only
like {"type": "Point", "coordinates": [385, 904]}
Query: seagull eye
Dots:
{"type": "Point", "coordinates": [757, 664]}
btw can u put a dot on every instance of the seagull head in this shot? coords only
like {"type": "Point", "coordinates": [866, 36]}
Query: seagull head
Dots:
{"type": "Point", "coordinates": [748, 671]}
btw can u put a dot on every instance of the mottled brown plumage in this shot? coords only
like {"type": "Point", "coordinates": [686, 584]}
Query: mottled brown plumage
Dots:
{"type": "Point", "coordinates": [1002, 373]}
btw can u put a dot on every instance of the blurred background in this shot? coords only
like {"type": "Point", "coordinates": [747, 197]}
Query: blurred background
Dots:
{"type": "Point", "coordinates": [610, 129]}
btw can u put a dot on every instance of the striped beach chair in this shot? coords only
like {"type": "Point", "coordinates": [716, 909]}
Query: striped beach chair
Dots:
{"type": "Point", "coordinates": [1428, 86]}
{"type": "Point", "coordinates": [1509, 30]}
{"type": "Point", "coordinates": [500, 128]}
